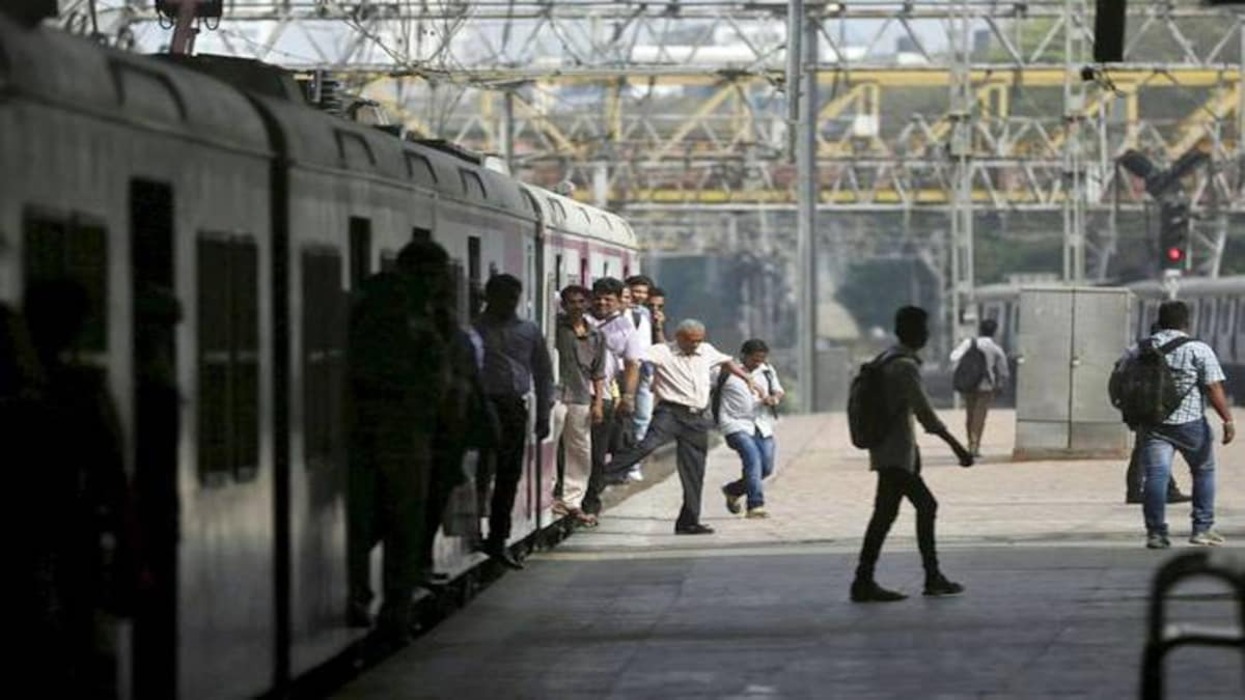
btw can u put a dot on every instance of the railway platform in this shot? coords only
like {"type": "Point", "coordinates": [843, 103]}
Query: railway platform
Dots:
{"type": "Point", "coordinates": [1054, 562]}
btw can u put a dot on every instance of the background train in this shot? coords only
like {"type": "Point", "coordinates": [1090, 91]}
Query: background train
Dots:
{"type": "Point", "coordinates": [261, 214]}
{"type": "Point", "coordinates": [1216, 307]}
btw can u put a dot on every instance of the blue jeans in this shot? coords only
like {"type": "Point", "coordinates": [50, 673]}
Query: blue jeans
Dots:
{"type": "Point", "coordinates": [1196, 443]}
{"type": "Point", "coordinates": [643, 405]}
{"type": "Point", "coordinates": [757, 455]}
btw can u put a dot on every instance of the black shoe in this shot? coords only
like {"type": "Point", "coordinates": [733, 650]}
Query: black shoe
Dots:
{"type": "Point", "coordinates": [696, 529]}
{"type": "Point", "coordinates": [940, 586]}
{"type": "Point", "coordinates": [732, 501]}
{"type": "Point", "coordinates": [502, 556]}
{"type": "Point", "coordinates": [1177, 497]}
{"type": "Point", "coordinates": [870, 592]}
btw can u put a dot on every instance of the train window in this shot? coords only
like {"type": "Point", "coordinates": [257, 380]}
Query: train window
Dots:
{"type": "Point", "coordinates": [420, 170]}
{"type": "Point", "coordinates": [556, 214]}
{"type": "Point", "coordinates": [244, 285]}
{"type": "Point", "coordinates": [355, 151]}
{"type": "Point", "coordinates": [228, 361]}
{"type": "Point", "coordinates": [583, 271]}
{"type": "Point", "coordinates": [73, 249]}
{"type": "Point", "coordinates": [472, 184]}
{"type": "Point", "coordinates": [323, 354]}
{"type": "Point", "coordinates": [213, 361]}
{"type": "Point", "coordinates": [360, 250]}
{"type": "Point", "coordinates": [557, 270]}
{"type": "Point", "coordinates": [1206, 319]}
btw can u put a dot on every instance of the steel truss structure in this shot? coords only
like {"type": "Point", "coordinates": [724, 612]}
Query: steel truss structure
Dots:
{"type": "Point", "coordinates": [675, 111]}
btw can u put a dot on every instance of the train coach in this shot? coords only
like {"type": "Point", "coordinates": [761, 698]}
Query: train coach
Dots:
{"type": "Point", "coordinates": [1216, 312]}
{"type": "Point", "coordinates": [214, 179]}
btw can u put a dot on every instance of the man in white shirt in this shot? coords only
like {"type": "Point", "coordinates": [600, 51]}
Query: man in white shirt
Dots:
{"type": "Point", "coordinates": [981, 373]}
{"type": "Point", "coordinates": [681, 382]}
{"type": "Point", "coordinates": [747, 422]}
{"type": "Point", "coordinates": [623, 353]}
{"type": "Point", "coordinates": [635, 297]}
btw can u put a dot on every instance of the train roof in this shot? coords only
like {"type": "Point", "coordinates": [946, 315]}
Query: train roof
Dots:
{"type": "Point", "coordinates": [1191, 285]}
{"type": "Point", "coordinates": [572, 217]}
{"type": "Point", "coordinates": [79, 75]}
{"type": "Point", "coordinates": [313, 138]}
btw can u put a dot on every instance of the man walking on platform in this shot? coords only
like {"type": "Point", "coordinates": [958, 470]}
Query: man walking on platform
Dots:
{"type": "Point", "coordinates": [681, 376]}
{"type": "Point", "coordinates": [897, 460]}
{"type": "Point", "coordinates": [516, 361]}
{"type": "Point", "coordinates": [980, 374]}
{"type": "Point", "coordinates": [747, 422]}
{"type": "Point", "coordinates": [1134, 478]}
{"type": "Point", "coordinates": [1198, 377]}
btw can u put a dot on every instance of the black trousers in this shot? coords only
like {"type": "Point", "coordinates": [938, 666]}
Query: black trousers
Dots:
{"type": "Point", "coordinates": [604, 436]}
{"type": "Point", "coordinates": [690, 429]}
{"type": "Point", "coordinates": [893, 486]}
{"type": "Point", "coordinates": [508, 461]}
{"type": "Point", "coordinates": [390, 462]}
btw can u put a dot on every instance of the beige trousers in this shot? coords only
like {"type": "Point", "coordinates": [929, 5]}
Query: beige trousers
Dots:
{"type": "Point", "coordinates": [577, 444]}
{"type": "Point", "coordinates": [977, 404]}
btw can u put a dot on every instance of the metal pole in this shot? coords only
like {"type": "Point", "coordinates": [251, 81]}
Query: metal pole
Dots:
{"type": "Point", "coordinates": [962, 103]}
{"type": "Point", "coordinates": [1074, 177]}
{"type": "Point", "coordinates": [806, 264]}
{"type": "Point", "coordinates": [795, 52]}
{"type": "Point", "coordinates": [507, 130]}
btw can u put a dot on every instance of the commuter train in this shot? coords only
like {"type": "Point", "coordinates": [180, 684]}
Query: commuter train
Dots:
{"type": "Point", "coordinates": [261, 214]}
{"type": "Point", "coordinates": [1216, 308]}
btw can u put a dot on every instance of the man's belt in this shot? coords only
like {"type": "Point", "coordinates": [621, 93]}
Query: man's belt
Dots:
{"type": "Point", "coordinates": [682, 408]}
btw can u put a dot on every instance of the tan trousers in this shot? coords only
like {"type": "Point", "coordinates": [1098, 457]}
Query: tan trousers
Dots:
{"type": "Point", "coordinates": [977, 404]}
{"type": "Point", "coordinates": [576, 438]}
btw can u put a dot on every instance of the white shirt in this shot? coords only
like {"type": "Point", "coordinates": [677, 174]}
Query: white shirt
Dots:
{"type": "Point", "coordinates": [622, 342]}
{"type": "Point", "coordinates": [682, 378]}
{"type": "Point", "coordinates": [644, 327]}
{"type": "Point", "coordinates": [742, 411]}
{"type": "Point", "coordinates": [996, 361]}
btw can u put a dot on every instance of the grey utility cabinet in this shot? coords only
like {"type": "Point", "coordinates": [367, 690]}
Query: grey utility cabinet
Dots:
{"type": "Point", "coordinates": [1069, 340]}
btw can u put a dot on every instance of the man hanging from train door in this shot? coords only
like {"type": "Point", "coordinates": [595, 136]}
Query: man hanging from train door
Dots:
{"type": "Point", "coordinates": [516, 362]}
{"type": "Point", "coordinates": [399, 372]}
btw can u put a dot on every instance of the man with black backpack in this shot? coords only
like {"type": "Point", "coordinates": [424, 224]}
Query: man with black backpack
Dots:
{"type": "Point", "coordinates": [1162, 393]}
{"type": "Point", "coordinates": [884, 399]}
{"type": "Point", "coordinates": [980, 374]}
{"type": "Point", "coordinates": [1134, 479]}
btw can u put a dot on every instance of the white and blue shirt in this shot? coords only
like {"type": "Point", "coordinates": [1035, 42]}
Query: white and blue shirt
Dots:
{"type": "Point", "coordinates": [1194, 366]}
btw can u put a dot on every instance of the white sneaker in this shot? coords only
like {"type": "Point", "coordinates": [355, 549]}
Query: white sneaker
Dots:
{"type": "Point", "coordinates": [635, 475]}
{"type": "Point", "coordinates": [1209, 538]}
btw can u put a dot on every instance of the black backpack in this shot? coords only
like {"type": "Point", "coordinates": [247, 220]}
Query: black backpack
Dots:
{"type": "Point", "coordinates": [1142, 385]}
{"type": "Point", "coordinates": [970, 370]}
{"type": "Point", "coordinates": [867, 414]}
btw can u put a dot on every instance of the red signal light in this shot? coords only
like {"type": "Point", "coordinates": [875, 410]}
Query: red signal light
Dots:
{"type": "Point", "coordinates": [1175, 254]}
